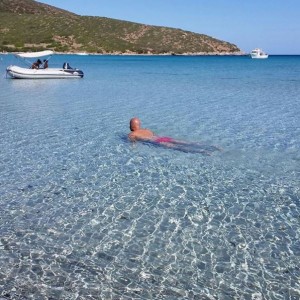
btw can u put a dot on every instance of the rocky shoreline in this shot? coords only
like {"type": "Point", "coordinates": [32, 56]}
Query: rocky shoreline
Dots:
{"type": "Point", "coordinates": [146, 54]}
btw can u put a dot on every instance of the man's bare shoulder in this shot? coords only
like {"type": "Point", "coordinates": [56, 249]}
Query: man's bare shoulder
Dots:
{"type": "Point", "coordinates": [141, 134]}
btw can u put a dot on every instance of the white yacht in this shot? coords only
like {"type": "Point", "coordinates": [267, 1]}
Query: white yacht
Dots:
{"type": "Point", "coordinates": [258, 53]}
{"type": "Point", "coordinates": [40, 69]}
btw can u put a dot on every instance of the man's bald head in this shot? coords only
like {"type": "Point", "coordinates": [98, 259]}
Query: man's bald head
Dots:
{"type": "Point", "coordinates": [135, 124]}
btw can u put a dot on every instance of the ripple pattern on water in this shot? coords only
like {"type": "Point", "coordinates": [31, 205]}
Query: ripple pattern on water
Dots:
{"type": "Point", "coordinates": [87, 215]}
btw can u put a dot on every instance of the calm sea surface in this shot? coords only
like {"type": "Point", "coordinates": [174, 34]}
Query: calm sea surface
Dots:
{"type": "Point", "coordinates": [86, 215]}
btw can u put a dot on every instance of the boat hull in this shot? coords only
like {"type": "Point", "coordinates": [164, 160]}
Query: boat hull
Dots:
{"type": "Point", "coordinates": [49, 73]}
{"type": "Point", "coordinates": [263, 56]}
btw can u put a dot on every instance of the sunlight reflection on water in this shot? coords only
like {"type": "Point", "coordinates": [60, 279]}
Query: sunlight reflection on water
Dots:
{"type": "Point", "coordinates": [87, 215]}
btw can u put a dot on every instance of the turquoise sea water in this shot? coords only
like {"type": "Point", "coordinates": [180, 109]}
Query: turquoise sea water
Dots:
{"type": "Point", "coordinates": [87, 215]}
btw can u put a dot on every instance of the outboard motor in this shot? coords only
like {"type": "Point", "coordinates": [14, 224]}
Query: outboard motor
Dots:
{"type": "Point", "coordinates": [66, 66]}
{"type": "Point", "coordinates": [73, 71]}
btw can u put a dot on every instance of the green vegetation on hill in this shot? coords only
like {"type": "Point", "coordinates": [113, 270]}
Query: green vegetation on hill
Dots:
{"type": "Point", "coordinates": [27, 25]}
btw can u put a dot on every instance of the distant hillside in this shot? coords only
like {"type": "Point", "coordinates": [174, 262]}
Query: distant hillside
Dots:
{"type": "Point", "coordinates": [27, 25]}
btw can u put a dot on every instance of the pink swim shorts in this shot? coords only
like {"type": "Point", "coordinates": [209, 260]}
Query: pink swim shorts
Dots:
{"type": "Point", "coordinates": [164, 139]}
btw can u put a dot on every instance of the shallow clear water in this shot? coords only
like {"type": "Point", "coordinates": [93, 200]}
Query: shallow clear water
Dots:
{"type": "Point", "coordinates": [87, 215]}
